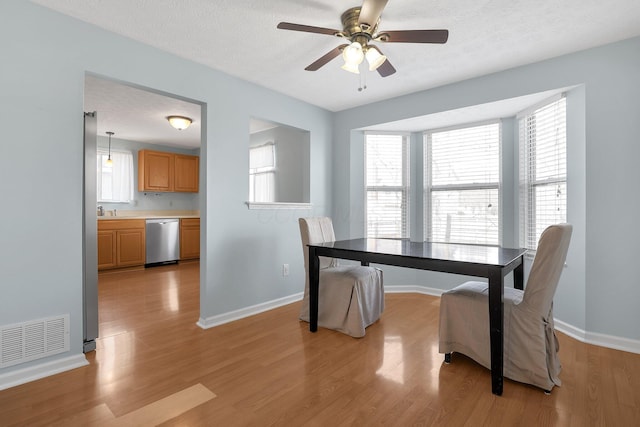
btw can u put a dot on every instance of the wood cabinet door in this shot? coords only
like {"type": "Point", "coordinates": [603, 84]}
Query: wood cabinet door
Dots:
{"type": "Point", "coordinates": [186, 173]}
{"type": "Point", "coordinates": [131, 247]}
{"type": "Point", "coordinates": [189, 238]}
{"type": "Point", "coordinates": [106, 249]}
{"type": "Point", "coordinates": [155, 171]}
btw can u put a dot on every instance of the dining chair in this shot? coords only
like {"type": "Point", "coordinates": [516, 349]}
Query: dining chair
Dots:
{"type": "Point", "coordinates": [530, 344]}
{"type": "Point", "coordinates": [351, 297]}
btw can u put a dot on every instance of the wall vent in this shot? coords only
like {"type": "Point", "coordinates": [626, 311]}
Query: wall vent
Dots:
{"type": "Point", "coordinates": [22, 342]}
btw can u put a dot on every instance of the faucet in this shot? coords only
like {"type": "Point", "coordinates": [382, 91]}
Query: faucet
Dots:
{"type": "Point", "coordinates": [100, 210]}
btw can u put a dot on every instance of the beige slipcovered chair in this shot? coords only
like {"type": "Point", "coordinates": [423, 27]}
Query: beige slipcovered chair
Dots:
{"type": "Point", "coordinates": [350, 297]}
{"type": "Point", "coordinates": [530, 344]}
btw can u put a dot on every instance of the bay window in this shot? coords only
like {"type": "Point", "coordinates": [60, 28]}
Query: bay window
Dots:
{"type": "Point", "coordinates": [462, 184]}
{"type": "Point", "coordinates": [387, 185]}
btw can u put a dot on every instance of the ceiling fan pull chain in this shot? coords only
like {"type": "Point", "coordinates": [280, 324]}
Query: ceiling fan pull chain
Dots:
{"type": "Point", "coordinates": [362, 87]}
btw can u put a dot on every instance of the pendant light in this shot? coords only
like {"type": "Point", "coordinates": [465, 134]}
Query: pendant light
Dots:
{"type": "Point", "coordinates": [109, 162]}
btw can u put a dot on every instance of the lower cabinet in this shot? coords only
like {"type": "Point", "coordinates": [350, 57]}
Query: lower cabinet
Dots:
{"type": "Point", "coordinates": [106, 249]}
{"type": "Point", "coordinates": [121, 243]}
{"type": "Point", "coordinates": [190, 238]}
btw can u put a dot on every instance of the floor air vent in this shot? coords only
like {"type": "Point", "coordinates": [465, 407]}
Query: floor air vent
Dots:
{"type": "Point", "coordinates": [22, 342]}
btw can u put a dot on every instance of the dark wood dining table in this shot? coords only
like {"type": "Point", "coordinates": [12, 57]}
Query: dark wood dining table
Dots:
{"type": "Point", "coordinates": [491, 262]}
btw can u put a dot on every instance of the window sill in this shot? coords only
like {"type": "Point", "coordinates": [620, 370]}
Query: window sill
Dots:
{"type": "Point", "coordinates": [277, 205]}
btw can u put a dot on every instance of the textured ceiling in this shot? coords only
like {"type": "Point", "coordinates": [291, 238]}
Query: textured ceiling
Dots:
{"type": "Point", "coordinates": [139, 115]}
{"type": "Point", "coordinates": [239, 37]}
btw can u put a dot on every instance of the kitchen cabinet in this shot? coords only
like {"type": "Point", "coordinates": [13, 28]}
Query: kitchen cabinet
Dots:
{"type": "Point", "coordinates": [167, 172]}
{"type": "Point", "coordinates": [190, 238]}
{"type": "Point", "coordinates": [186, 173]}
{"type": "Point", "coordinates": [155, 171]}
{"type": "Point", "coordinates": [106, 249]}
{"type": "Point", "coordinates": [121, 243]}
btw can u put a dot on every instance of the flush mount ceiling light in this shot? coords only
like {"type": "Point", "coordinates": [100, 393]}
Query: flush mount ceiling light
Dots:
{"type": "Point", "coordinates": [109, 162]}
{"type": "Point", "coordinates": [180, 122]}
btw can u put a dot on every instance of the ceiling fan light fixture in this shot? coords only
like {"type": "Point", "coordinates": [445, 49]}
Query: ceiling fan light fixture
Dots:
{"type": "Point", "coordinates": [374, 58]}
{"type": "Point", "coordinates": [179, 122]}
{"type": "Point", "coordinates": [352, 68]}
{"type": "Point", "coordinates": [353, 54]}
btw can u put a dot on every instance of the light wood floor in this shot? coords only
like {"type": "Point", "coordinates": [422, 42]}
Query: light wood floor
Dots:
{"type": "Point", "coordinates": [153, 366]}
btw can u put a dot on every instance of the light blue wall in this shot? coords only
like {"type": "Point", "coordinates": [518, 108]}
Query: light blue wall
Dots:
{"type": "Point", "coordinates": [599, 290]}
{"type": "Point", "coordinates": [44, 59]}
{"type": "Point", "coordinates": [148, 200]}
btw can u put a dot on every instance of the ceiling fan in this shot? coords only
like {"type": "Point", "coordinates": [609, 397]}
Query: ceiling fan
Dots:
{"type": "Point", "coordinates": [360, 28]}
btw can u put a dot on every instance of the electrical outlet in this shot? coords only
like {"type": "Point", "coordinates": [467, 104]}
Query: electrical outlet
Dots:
{"type": "Point", "coordinates": [285, 269]}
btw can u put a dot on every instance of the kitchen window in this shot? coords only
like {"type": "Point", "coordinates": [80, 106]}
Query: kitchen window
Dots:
{"type": "Point", "coordinates": [387, 185]}
{"type": "Point", "coordinates": [115, 181]}
{"type": "Point", "coordinates": [543, 170]}
{"type": "Point", "coordinates": [462, 184]}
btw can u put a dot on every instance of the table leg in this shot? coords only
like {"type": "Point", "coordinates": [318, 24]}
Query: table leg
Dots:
{"type": "Point", "coordinates": [496, 329]}
{"type": "Point", "coordinates": [518, 275]}
{"type": "Point", "coordinates": [314, 288]}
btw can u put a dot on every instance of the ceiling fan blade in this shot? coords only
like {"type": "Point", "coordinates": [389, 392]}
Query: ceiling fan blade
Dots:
{"type": "Point", "coordinates": [307, 28]}
{"type": "Point", "coordinates": [386, 69]}
{"type": "Point", "coordinates": [326, 58]}
{"type": "Point", "coordinates": [414, 36]}
{"type": "Point", "coordinates": [371, 11]}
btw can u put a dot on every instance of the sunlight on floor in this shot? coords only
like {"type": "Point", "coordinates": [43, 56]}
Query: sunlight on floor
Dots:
{"type": "Point", "coordinates": [113, 353]}
{"type": "Point", "coordinates": [393, 360]}
{"type": "Point", "coordinates": [170, 297]}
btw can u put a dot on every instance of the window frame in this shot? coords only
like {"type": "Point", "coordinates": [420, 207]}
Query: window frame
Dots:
{"type": "Point", "coordinates": [102, 152]}
{"type": "Point", "coordinates": [404, 189]}
{"type": "Point", "coordinates": [527, 202]}
{"type": "Point", "coordinates": [267, 171]}
{"type": "Point", "coordinates": [429, 187]}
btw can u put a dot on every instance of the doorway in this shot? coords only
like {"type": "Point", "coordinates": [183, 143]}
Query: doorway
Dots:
{"type": "Point", "coordinates": [136, 118]}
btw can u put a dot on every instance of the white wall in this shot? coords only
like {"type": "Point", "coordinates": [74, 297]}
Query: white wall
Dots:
{"type": "Point", "coordinates": [44, 60]}
{"type": "Point", "coordinates": [599, 290]}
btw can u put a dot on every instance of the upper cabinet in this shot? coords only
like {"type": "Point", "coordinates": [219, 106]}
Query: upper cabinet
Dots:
{"type": "Point", "coordinates": [186, 173]}
{"type": "Point", "coordinates": [155, 170]}
{"type": "Point", "coordinates": [162, 171]}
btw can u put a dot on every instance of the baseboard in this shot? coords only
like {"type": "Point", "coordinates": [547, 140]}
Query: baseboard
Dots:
{"type": "Point", "coordinates": [595, 338]}
{"type": "Point", "coordinates": [568, 329]}
{"type": "Point", "coordinates": [230, 316]}
{"type": "Point", "coordinates": [41, 370]}
{"type": "Point", "coordinates": [412, 289]}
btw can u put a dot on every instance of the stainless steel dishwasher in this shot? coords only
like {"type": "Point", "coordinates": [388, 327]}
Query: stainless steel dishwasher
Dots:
{"type": "Point", "coordinates": [162, 241]}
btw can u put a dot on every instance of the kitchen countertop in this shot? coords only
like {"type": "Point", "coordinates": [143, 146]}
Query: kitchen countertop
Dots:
{"type": "Point", "coordinates": [131, 214]}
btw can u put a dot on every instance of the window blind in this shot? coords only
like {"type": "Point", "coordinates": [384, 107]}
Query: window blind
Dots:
{"type": "Point", "coordinates": [462, 184]}
{"type": "Point", "coordinates": [262, 157]}
{"type": "Point", "coordinates": [262, 167]}
{"type": "Point", "coordinates": [387, 185]}
{"type": "Point", "coordinates": [543, 170]}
